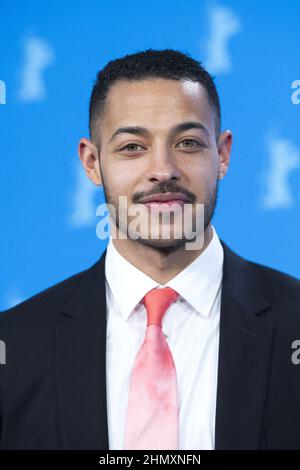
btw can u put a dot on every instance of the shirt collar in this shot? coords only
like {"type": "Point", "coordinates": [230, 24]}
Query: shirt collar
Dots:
{"type": "Point", "coordinates": [197, 284]}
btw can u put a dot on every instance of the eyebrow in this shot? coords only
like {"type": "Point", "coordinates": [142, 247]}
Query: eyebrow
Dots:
{"type": "Point", "coordinates": [181, 127]}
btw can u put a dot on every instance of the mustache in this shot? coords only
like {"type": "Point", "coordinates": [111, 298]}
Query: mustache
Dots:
{"type": "Point", "coordinates": [162, 188]}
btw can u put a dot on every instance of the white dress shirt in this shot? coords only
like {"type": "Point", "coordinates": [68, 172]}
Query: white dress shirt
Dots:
{"type": "Point", "coordinates": [192, 328]}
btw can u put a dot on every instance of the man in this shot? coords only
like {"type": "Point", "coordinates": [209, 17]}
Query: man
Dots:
{"type": "Point", "coordinates": [172, 342]}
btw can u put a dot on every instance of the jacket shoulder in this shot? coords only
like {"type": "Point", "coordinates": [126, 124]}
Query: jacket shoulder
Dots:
{"type": "Point", "coordinates": [45, 303]}
{"type": "Point", "coordinates": [273, 282]}
{"type": "Point", "coordinates": [277, 283]}
{"type": "Point", "coordinates": [280, 290]}
{"type": "Point", "coordinates": [283, 293]}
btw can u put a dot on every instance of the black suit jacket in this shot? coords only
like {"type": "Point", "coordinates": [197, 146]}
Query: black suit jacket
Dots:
{"type": "Point", "coordinates": [53, 385]}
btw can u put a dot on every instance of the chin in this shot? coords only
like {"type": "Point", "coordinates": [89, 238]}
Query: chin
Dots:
{"type": "Point", "coordinates": [169, 244]}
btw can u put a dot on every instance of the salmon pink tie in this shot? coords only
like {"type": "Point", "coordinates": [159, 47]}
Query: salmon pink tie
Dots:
{"type": "Point", "coordinates": [152, 413]}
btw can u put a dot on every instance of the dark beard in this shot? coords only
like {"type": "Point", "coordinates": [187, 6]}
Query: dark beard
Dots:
{"type": "Point", "coordinates": [164, 245]}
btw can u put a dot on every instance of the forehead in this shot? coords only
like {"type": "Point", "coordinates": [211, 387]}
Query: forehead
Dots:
{"type": "Point", "coordinates": [158, 102]}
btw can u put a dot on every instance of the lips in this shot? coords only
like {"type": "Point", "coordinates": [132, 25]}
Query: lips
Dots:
{"type": "Point", "coordinates": [171, 204]}
{"type": "Point", "coordinates": [165, 202]}
{"type": "Point", "coordinates": [165, 198]}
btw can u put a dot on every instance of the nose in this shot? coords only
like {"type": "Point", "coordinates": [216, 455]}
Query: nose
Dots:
{"type": "Point", "coordinates": [163, 167]}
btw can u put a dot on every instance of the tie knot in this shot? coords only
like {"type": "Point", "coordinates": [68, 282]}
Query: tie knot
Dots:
{"type": "Point", "coordinates": [157, 301]}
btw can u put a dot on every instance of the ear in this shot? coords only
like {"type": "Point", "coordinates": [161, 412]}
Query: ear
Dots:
{"type": "Point", "coordinates": [224, 149]}
{"type": "Point", "coordinates": [89, 157]}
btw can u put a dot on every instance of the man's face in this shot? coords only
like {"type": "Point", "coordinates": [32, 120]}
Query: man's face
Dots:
{"type": "Point", "coordinates": [160, 159]}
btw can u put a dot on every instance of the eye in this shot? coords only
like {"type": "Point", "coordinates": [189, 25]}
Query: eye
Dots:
{"type": "Point", "coordinates": [191, 140]}
{"type": "Point", "coordinates": [131, 145]}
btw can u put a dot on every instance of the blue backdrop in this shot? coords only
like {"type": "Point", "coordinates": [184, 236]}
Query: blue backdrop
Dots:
{"type": "Point", "coordinates": [50, 53]}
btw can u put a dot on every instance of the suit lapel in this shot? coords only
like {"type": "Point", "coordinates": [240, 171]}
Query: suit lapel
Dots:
{"type": "Point", "coordinates": [244, 356]}
{"type": "Point", "coordinates": [81, 364]}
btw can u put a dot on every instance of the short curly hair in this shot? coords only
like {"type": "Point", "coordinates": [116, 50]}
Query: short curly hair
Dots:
{"type": "Point", "coordinates": [167, 64]}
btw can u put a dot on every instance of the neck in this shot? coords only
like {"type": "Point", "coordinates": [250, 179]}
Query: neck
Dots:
{"type": "Point", "coordinates": [156, 263]}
